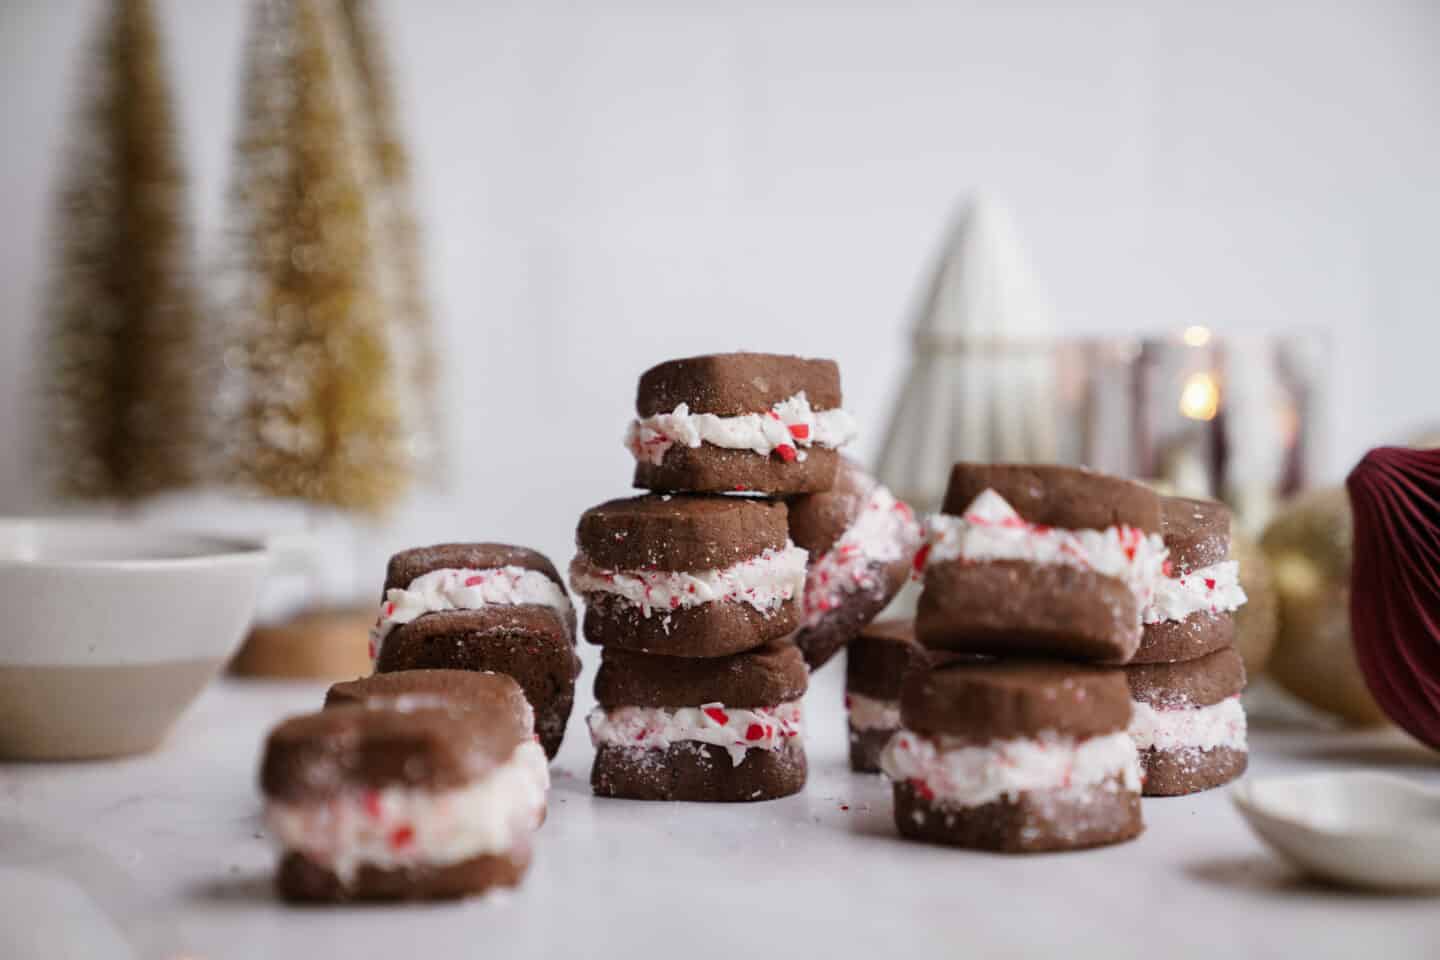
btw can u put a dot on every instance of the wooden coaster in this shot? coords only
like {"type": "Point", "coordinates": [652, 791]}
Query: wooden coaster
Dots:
{"type": "Point", "coordinates": [314, 645]}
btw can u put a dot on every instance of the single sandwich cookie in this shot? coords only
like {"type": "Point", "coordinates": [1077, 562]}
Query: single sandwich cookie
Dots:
{"type": "Point", "coordinates": [1188, 723]}
{"type": "Point", "coordinates": [718, 730]}
{"type": "Point", "coordinates": [862, 542]}
{"type": "Point", "coordinates": [481, 578]}
{"type": "Point", "coordinates": [687, 576]}
{"type": "Point", "coordinates": [1039, 560]}
{"type": "Point", "coordinates": [1192, 612]}
{"type": "Point", "coordinates": [877, 661]}
{"type": "Point", "coordinates": [756, 422]}
{"type": "Point", "coordinates": [1015, 756]}
{"type": "Point", "coordinates": [526, 642]}
{"type": "Point", "coordinates": [403, 804]}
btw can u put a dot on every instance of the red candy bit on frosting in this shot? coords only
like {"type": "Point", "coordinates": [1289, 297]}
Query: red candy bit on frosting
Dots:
{"type": "Point", "coordinates": [786, 452]}
{"type": "Point", "coordinates": [717, 714]}
{"type": "Point", "coordinates": [371, 803]}
{"type": "Point", "coordinates": [1395, 584]}
{"type": "Point", "coordinates": [800, 431]}
{"type": "Point", "coordinates": [402, 836]}
{"type": "Point", "coordinates": [1209, 583]}
{"type": "Point", "coordinates": [921, 556]}
{"type": "Point", "coordinates": [474, 581]}
{"type": "Point", "coordinates": [922, 788]}
{"type": "Point", "coordinates": [754, 732]}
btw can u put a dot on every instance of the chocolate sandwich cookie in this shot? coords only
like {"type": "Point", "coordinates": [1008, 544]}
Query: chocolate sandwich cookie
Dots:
{"type": "Point", "coordinates": [861, 542]}
{"type": "Point", "coordinates": [1188, 723]}
{"type": "Point", "coordinates": [400, 804]}
{"type": "Point", "coordinates": [876, 663]}
{"type": "Point", "coordinates": [688, 576]}
{"type": "Point", "coordinates": [483, 606]}
{"type": "Point", "coordinates": [1039, 560]}
{"type": "Point", "coordinates": [720, 730]}
{"type": "Point", "coordinates": [1015, 756]}
{"type": "Point", "coordinates": [1192, 612]}
{"type": "Point", "coordinates": [739, 421]}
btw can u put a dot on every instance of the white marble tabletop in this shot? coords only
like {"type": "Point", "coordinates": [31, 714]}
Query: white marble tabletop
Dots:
{"type": "Point", "coordinates": [163, 856]}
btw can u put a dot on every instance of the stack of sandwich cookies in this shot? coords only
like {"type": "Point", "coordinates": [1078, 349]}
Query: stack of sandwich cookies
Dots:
{"type": "Point", "coordinates": [739, 422]}
{"type": "Point", "coordinates": [861, 542]}
{"type": "Point", "coordinates": [691, 597]}
{"type": "Point", "coordinates": [1039, 560]}
{"type": "Point", "coordinates": [483, 606]}
{"type": "Point", "coordinates": [691, 591]}
{"type": "Point", "coordinates": [1015, 756]}
{"type": "Point", "coordinates": [406, 801]}
{"type": "Point", "coordinates": [1021, 754]}
{"type": "Point", "coordinates": [1186, 678]}
{"type": "Point", "coordinates": [721, 729]}
{"type": "Point", "coordinates": [687, 576]}
{"type": "Point", "coordinates": [877, 660]}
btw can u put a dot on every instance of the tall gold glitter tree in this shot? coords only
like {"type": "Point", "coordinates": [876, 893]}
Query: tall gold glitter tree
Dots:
{"type": "Point", "coordinates": [311, 378]}
{"type": "Point", "coordinates": [401, 259]}
{"type": "Point", "coordinates": [121, 413]}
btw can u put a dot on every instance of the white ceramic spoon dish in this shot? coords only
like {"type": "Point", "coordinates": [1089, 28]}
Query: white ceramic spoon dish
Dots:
{"type": "Point", "coordinates": [1361, 829]}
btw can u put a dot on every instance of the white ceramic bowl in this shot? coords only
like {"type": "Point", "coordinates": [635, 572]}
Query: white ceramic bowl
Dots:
{"type": "Point", "coordinates": [109, 630]}
{"type": "Point", "coordinates": [1362, 829]}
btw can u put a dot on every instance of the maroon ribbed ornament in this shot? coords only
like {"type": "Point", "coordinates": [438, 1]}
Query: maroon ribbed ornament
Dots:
{"type": "Point", "coordinates": [1395, 584]}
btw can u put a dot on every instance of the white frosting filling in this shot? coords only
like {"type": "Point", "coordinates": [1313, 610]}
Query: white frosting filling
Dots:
{"type": "Point", "coordinates": [991, 529]}
{"type": "Point", "coordinates": [1215, 588]}
{"type": "Point", "coordinates": [883, 532]}
{"type": "Point", "coordinates": [455, 589]}
{"type": "Point", "coordinates": [765, 582]}
{"type": "Point", "coordinates": [957, 774]}
{"type": "Point", "coordinates": [786, 429]}
{"type": "Point", "coordinates": [739, 730]}
{"type": "Point", "coordinates": [867, 713]}
{"type": "Point", "coordinates": [1194, 728]}
{"type": "Point", "coordinates": [404, 826]}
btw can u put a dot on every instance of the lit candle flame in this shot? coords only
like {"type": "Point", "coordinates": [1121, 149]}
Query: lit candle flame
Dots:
{"type": "Point", "coordinates": [1200, 397]}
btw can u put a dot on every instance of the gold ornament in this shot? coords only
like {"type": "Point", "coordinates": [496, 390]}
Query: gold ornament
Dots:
{"type": "Point", "coordinates": [121, 413]}
{"type": "Point", "coordinates": [312, 377]}
{"type": "Point", "coordinates": [1257, 621]}
{"type": "Point", "coordinates": [1309, 546]}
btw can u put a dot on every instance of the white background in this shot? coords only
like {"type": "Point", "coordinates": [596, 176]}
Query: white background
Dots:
{"type": "Point", "coordinates": [609, 184]}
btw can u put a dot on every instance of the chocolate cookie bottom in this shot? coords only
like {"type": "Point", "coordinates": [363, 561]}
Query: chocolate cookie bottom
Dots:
{"type": "Point", "coordinates": [1029, 822]}
{"type": "Point", "coordinates": [710, 469]}
{"type": "Point", "coordinates": [1175, 773]}
{"type": "Point", "coordinates": [1196, 636]}
{"type": "Point", "coordinates": [539, 655]}
{"type": "Point", "coordinates": [303, 881]}
{"type": "Point", "coordinates": [698, 772]}
{"type": "Point", "coordinates": [853, 613]}
{"type": "Point", "coordinates": [865, 747]}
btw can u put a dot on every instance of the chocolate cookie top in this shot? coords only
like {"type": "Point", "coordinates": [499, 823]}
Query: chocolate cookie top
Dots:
{"type": "Point", "coordinates": [731, 384]}
{"type": "Point", "coordinates": [878, 659]}
{"type": "Point", "coordinates": [763, 677]}
{"type": "Point", "coordinates": [680, 531]}
{"type": "Point", "coordinates": [313, 757]}
{"type": "Point", "coordinates": [1004, 699]}
{"type": "Point", "coordinates": [407, 565]}
{"type": "Point", "coordinates": [482, 691]}
{"type": "Point", "coordinates": [1066, 497]}
{"type": "Point", "coordinates": [1188, 683]}
{"type": "Point", "coordinates": [817, 520]}
{"type": "Point", "coordinates": [1197, 532]}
